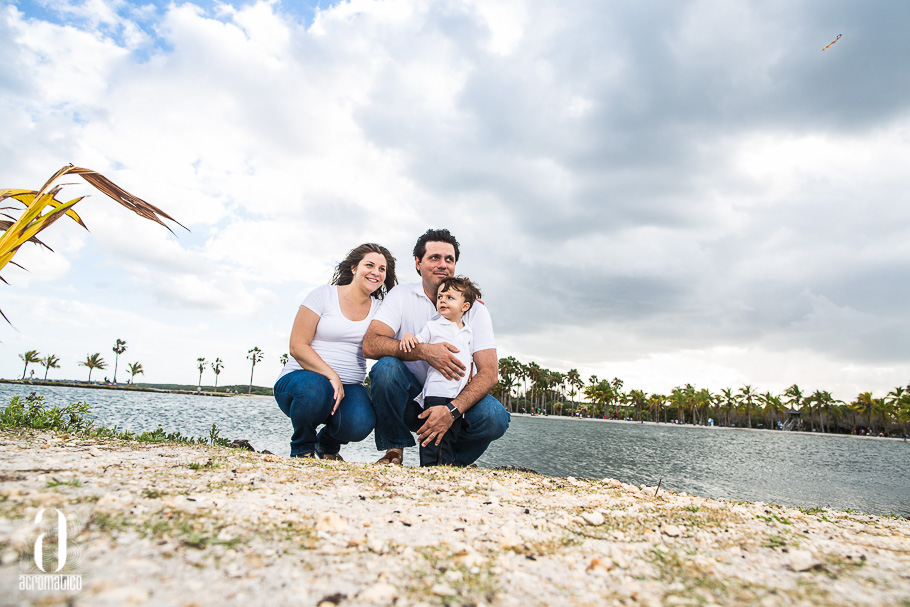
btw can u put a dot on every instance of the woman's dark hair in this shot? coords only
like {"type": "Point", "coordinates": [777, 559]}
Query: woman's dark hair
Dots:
{"type": "Point", "coordinates": [431, 235]}
{"type": "Point", "coordinates": [344, 272]}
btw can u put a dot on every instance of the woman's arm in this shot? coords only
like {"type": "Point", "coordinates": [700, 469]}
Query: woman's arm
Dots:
{"type": "Point", "coordinates": [301, 337]}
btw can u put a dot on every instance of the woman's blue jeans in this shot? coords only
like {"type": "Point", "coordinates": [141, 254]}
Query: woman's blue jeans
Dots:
{"type": "Point", "coordinates": [306, 397]}
{"type": "Point", "coordinates": [393, 388]}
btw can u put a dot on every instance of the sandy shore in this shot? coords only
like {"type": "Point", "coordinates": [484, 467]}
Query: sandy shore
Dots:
{"type": "Point", "coordinates": [165, 524]}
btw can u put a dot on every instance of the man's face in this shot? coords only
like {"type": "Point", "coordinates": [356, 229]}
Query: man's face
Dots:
{"type": "Point", "coordinates": [438, 263]}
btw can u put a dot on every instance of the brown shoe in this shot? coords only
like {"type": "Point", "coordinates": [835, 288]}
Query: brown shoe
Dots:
{"type": "Point", "coordinates": [393, 457]}
{"type": "Point", "coordinates": [332, 457]}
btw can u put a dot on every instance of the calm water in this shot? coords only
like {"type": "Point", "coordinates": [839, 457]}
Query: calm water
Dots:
{"type": "Point", "coordinates": [787, 468]}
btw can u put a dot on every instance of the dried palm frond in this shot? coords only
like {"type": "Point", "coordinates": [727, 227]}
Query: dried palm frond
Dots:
{"type": "Point", "coordinates": [18, 231]}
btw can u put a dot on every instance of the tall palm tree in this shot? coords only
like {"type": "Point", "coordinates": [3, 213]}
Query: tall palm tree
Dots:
{"type": "Point", "coordinates": [284, 358]}
{"type": "Point", "coordinates": [200, 363]}
{"type": "Point", "coordinates": [32, 356]}
{"type": "Point", "coordinates": [50, 362]}
{"type": "Point", "coordinates": [728, 403]}
{"type": "Point", "coordinates": [796, 402]}
{"type": "Point", "coordinates": [135, 369]}
{"type": "Point", "coordinates": [255, 355]}
{"type": "Point", "coordinates": [93, 361]}
{"type": "Point", "coordinates": [772, 407]}
{"type": "Point", "coordinates": [218, 365]}
{"type": "Point", "coordinates": [638, 398]}
{"type": "Point", "coordinates": [746, 398]}
{"type": "Point", "coordinates": [119, 348]}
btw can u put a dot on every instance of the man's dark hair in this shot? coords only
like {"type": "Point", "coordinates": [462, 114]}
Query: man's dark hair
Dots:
{"type": "Point", "coordinates": [463, 285]}
{"type": "Point", "coordinates": [431, 235]}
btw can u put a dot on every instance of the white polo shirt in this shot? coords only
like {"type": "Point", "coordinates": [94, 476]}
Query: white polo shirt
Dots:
{"type": "Point", "coordinates": [406, 309]}
{"type": "Point", "coordinates": [439, 330]}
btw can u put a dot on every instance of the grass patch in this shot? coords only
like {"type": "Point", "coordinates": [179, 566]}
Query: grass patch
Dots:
{"type": "Point", "coordinates": [31, 412]}
{"type": "Point", "coordinates": [54, 482]}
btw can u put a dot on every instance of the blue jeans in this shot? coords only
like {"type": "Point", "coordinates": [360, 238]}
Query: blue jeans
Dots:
{"type": "Point", "coordinates": [393, 389]}
{"type": "Point", "coordinates": [306, 397]}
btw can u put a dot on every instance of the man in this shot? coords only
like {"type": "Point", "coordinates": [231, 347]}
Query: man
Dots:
{"type": "Point", "coordinates": [398, 377]}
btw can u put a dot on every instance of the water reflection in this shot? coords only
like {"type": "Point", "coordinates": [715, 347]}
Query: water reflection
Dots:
{"type": "Point", "coordinates": [795, 469]}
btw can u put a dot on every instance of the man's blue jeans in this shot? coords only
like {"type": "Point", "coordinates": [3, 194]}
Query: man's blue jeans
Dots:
{"type": "Point", "coordinates": [306, 397]}
{"type": "Point", "coordinates": [393, 389]}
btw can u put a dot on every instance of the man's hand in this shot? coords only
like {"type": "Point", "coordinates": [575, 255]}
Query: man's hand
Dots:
{"type": "Point", "coordinates": [438, 421]}
{"type": "Point", "coordinates": [440, 356]}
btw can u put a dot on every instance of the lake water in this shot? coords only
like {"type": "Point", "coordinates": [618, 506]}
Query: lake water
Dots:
{"type": "Point", "coordinates": [793, 469]}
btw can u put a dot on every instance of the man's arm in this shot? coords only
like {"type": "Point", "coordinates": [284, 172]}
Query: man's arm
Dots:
{"type": "Point", "coordinates": [380, 341]}
{"type": "Point", "coordinates": [438, 420]}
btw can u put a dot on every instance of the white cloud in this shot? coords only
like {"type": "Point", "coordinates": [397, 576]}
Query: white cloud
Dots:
{"type": "Point", "coordinates": [673, 194]}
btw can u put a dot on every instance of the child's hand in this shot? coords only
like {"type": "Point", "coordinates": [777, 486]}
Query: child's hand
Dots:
{"type": "Point", "coordinates": [408, 341]}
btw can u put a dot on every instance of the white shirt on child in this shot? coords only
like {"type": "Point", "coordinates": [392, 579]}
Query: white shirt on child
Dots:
{"type": "Point", "coordinates": [439, 330]}
{"type": "Point", "coordinates": [406, 309]}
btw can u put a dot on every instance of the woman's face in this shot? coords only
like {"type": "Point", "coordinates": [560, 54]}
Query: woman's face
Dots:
{"type": "Point", "coordinates": [370, 272]}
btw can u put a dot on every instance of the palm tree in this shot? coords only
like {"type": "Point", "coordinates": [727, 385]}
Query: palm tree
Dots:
{"type": "Point", "coordinates": [32, 356]}
{"type": "Point", "coordinates": [200, 362]}
{"type": "Point", "coordinates": [255, 355]}
{"type": "Point", "coordinates": [773, 406]}
{"type": "Point", "coordinates": [638, 398]}
{"type": "Point", "coordinates": [93, 361]}
{"type": "Point", "coordinates": [728, 401]}
{"type": "Point", "coordinates": [217, 366]}
{"type": "Point", "coordinates": [746, 398]}
{"type": "Point", "coordinates": [31, 221]}
{"type": "Point", "coordinates": [135, 369]}
{"type": "Point", "coordinates": [796, 402]}
{"type": "Point", "coordinates": [119, 348]}
{"type": "Point", "coordinates": [284, 358]}
{"type": "Point", "coordinates": [49, 362]}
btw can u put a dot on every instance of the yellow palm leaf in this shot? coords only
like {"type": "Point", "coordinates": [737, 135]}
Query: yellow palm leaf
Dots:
{"type": "Point", "coordinates": [33, 219]}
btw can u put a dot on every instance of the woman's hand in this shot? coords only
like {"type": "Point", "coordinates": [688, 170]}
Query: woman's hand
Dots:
{"type": "Point", "coordinates": [339, 391]}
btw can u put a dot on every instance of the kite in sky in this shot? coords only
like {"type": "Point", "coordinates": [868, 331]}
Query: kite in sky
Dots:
{"type": "Point", "coordinates": [832, 42]}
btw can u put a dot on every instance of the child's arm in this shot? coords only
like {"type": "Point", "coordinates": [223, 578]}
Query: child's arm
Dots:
{"type": "Point", "coordinates": [408, 341]}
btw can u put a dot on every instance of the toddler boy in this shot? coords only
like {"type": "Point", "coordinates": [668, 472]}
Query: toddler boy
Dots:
{"type": "Point", "coordinates": [454, 297]}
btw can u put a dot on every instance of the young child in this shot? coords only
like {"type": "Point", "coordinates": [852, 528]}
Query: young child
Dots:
{"type": "Point", "coordinates": [454, 297]}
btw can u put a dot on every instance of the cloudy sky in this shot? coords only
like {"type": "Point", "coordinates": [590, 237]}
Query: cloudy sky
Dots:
{"type": "Point", "coordinates": [666, 192]}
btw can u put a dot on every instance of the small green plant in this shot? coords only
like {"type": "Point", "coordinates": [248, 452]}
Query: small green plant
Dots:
{"type": "Point", "coordinates": [775, 542]}
{"type": "Point", "coordinates": [56, 483]}
{"type": "Point", "coordinates": [208, 465]}
{"type": "Point", "coordinates": [813, 510]}
{"type": "Point", "coordinates": [32, 412]}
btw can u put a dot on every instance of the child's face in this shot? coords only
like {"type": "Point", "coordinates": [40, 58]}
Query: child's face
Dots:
{"type": "Point", "coordinates": [451, 304]}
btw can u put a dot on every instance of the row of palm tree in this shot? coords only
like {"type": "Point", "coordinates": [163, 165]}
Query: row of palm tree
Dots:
{"type": "Point", "coordinates": [536, 389]}
{"type": "Point", "coordinates": [92, 361]}
{"type": "Point", "coordinates": [254, 354]}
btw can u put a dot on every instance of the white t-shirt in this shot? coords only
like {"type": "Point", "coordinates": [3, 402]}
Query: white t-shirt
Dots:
{"type": "Point", "coordinates": [338, 341]}
{"type": "Point", "coordinates": [439, 330]}
{"type": "Point", "coordinates": [406, 309]}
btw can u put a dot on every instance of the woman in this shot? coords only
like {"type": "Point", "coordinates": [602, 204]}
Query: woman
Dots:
{"type": "Point", "coordinates": [322, 382]}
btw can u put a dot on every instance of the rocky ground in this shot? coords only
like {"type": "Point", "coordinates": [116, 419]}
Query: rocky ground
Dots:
{"type": "Point", "coordinates": [170, 524]}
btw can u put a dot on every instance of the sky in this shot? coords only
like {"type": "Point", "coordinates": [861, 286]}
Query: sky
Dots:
{"type": "Point", "coordinates": [664, 192]}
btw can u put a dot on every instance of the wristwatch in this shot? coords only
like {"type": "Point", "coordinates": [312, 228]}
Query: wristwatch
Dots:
{"type": "Point", "coordinates": [456, 414]}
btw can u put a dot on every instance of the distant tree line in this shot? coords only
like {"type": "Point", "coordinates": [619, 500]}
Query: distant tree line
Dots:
{"type": "Point", "coordinates": [534, 389]}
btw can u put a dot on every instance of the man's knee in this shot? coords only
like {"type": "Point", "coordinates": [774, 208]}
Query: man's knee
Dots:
{"type": "Point", "coordinates": [491, 417]}
{"type": "Point", "coordinates": [386, 370]}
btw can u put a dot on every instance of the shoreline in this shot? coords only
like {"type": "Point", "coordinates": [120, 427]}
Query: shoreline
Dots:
{"type": "Point", "coordinates": [126, 387]}
{"type": "Point", "coordinates": [159, 523]}
{"type": "Point", "coordinates": [703, 427]}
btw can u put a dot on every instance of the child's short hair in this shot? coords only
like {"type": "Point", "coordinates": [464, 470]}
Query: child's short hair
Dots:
{"type": "Point", "coordinates": [463, 285]}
